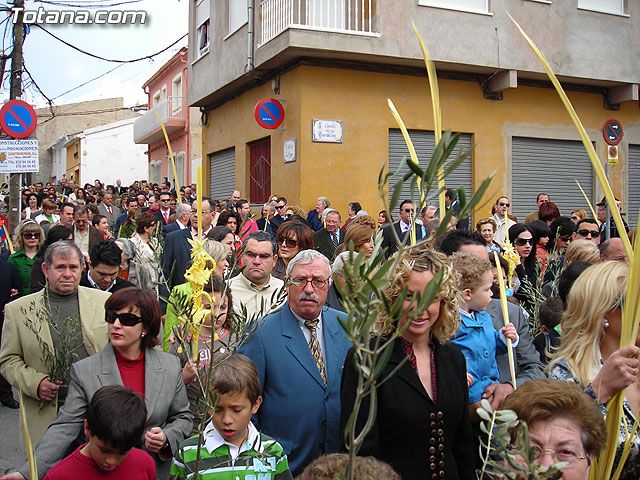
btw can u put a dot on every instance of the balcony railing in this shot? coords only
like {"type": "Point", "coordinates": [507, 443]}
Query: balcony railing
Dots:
{"type": "Point", "coordinates": [146, 129]}
{"type": "Point", "coordinates": [343, 16]}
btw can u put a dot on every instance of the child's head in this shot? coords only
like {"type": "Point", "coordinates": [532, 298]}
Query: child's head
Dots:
{"type": "Point", "coordinates": [236, 383]}
{"type": "Point", "coordinates": [550, 313]}
{"type": "Point", "coordinates": [115, 423]}
{"type": "Point", "coordinates": [222, 308]}
{"type": "Point", "coordinates": [476, 280]}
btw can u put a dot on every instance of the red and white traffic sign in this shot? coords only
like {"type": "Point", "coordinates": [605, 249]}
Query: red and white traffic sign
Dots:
{"type": "Point", "coordinates": [612, 132]}
{"type": "Point", "coordinates": [18, 119]}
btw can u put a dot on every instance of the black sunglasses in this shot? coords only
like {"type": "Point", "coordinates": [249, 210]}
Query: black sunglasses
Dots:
{"type": "Point", "coordinates": [31, 235]}
{"type": "Point", "coordinates": [289, 242]}
{"type": "Point", "coordinates": [126, 319]}
{"type": "Point", "coordinates": [584, 233]}
{"type": "Point", "coordinates": [521, 242]}
{"type": "Point", "coordinates": [504, 205]}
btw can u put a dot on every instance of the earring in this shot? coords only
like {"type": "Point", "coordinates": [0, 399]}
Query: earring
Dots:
{"type": "Point", "coordinates": [606, 323]}
{"type": "Point", "coordinates": [142, 336]}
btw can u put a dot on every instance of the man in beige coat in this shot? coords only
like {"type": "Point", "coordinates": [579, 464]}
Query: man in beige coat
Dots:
{"type": "Point", "coordinates": [50, 312]}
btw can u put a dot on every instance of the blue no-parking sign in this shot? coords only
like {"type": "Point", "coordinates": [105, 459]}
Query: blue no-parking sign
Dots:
{"type": "Point", "coordinates": [269, 113]}
{"type": "Point", "coordinates": [18, 119]}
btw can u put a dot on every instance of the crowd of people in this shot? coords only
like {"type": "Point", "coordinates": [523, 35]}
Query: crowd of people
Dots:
{"type": "Point", "coordinates": [91, 281]}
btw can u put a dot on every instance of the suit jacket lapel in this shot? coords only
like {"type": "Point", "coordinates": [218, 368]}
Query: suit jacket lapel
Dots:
{"type": "Point", "coordinates": [297, 344]}
{"type": "Point", "coordinates": [153, 379]}
{"type": "Point", "coordinates": [87, 310]}
{"type": "Point", "coordinates": [109, 375]}
{"type": "Point", "coordinates": [332, 331]}
{"type": "Point", "coordinates": [406, 372]}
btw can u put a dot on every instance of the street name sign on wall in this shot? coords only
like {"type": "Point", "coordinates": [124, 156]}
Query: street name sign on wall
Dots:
{"type": "Point", "coordinates": [326, 131]}
{"type": "Point", "coordinates": [18, 119]}
{"type": "Point", "coordinates": [19, 156]}
{"type": "Point", "coordinates": [612, 132]}
{"type": "Point", "coordinates": [269, 113]}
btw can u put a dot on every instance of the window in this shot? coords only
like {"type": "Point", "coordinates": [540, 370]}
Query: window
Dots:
{"type": "Point", "coordinates": [475, 6]}
{"type": "Point", "coordinates": [163, 95]}
{"type": "Point", "coordinates": [156, 98]}
{"type": "Point", "coordinates": [176, 93]}
{"type": "Point", "coordinates": [237, 14]}
{"type": "Point", "coordinates": [202, 28]}
{"type": "Point", "coordinates": [604, 6]}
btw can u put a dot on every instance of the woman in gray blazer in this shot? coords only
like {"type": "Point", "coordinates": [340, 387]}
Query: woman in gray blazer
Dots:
{"type": "Point", "coordinates": [129, 359]}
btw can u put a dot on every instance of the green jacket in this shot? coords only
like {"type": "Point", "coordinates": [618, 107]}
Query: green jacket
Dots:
{"type": "Point", "coordinates": [23, 263]}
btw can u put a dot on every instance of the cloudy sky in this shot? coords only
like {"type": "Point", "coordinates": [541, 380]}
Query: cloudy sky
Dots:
{"type": "Point", "coordinates": [57, 68]}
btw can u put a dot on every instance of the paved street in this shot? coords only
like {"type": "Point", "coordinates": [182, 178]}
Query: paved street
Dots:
{"type": "Point", "coordinates": [11, 454]}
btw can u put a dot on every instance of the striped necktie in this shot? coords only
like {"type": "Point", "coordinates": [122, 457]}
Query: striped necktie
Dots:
{"type": "Point", "coordinates": [314, 345]}
{"type": "Point", "coordinates": [334, 239]}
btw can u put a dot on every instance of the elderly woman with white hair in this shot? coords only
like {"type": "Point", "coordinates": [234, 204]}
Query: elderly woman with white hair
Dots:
{"type": "Point", "coordinates": [314, 218]}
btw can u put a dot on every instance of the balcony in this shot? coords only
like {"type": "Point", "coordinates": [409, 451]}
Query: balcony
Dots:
{"type": "Point", "coordinates": [339, 16]}
{"type": "Point", "coordinates": [147, 130]}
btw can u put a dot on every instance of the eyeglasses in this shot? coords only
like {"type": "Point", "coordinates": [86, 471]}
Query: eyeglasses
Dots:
{"type": "Point", "coordinates": [564, 238]}
{"type": "Point", "coordinates": [408, 210]}
{"type": "Point", "coordinates": [504, 204]}
{"type": "Point", "coordinates": [317, 283]}
{"type": "Point", "coordinates": [584, 233]}
{"type": "Point", "coordinates": [280, 207]}
{"type": "Point", "coordinates": [126, 319]}
{"type": "Point", "coordinates": [262, 256]}
{"type": "Point", "coordinates": [165, 200]}
{"type": "Point", "coordinates": [31, 235]}
{"type": "Point", "coordinates": [521, 242]}
{"type": "Point", "coordinates": [563, 455]}
{"type": "Point", "coordinates": [288, 242]}
{"type": "Point", "coordinates": [574, 217]}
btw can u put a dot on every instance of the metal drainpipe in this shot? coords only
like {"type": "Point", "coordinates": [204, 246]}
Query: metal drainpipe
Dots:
{"type": "Point", "coordinates": [249, 68]}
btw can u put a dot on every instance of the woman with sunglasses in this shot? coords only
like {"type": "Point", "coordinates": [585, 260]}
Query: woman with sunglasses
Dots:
{"type": "Point", "coordinates": [27, 239]}
{"type": "Point", "coordinates": [523, 242]}
{"type": "Point", "coordinates": [293, 236]}
{"type": "Point", "coordinates": [129, 359]}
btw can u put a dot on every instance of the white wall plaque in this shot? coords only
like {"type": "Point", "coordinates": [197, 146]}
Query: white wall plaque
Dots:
{"type": "Point", "coordinates": [329, 131]}
{"type": "Point", "coordinates": [290, 150]}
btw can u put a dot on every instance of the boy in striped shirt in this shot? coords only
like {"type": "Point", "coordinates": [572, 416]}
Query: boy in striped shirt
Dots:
{"type": "Point", "coordinates": [231, 447]}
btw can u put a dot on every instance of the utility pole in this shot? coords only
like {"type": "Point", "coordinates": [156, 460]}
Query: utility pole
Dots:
{"type": "Point", "coordinates": [15, 196]}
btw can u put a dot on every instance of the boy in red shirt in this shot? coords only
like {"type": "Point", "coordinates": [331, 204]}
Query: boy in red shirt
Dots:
{"type": "Point", "coordinates": [115, 424]}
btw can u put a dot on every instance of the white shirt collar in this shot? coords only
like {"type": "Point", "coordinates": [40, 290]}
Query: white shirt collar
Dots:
{"type": "Point", "coordinates": [213, 440]}
{"type": "Point", "coordinates": [404, 227]}
{"type": "Point", "coordinates": [302, 320]}
{"type": "Point", "coordinates": [95, 285]}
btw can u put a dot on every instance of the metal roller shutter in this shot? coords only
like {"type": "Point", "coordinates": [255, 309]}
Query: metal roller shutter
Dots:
{"type": "Point", "coordinates": [633, 187]}
{"type": "Point", "coordinates": [549, 166]}
{"type": "Point", "coordinates": [223, 173]}
{"type": "Point", "coordinates": [424, 143]}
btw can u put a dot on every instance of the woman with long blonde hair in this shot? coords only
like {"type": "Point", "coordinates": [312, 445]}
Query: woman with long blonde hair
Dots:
{"type": "Point", "coordinates": [424, 406]}
{"type": "Point", "coordinates": [590, 353]}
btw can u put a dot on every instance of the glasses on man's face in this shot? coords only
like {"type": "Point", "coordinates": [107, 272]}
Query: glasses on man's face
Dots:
{"type": "Point", "coordinates": [31, 235]}
{"type": "Point", "coordinates": [521, 242]}
{"type": "Point", "coordinates": [279, 207]}
{"type": "Point", "coordinates": [317, 283]}
{"type": "Point", "coordinates": [502, 204]}
{"type": "Point", "coordinates": [195, 212]}
{"type": "Point", "coordinates": [126, 319]}
{"type": "Point", "coordinates": [564, 238]}
{"type": "Point", "coordinates": [165, 200]}
{"type": "Point", "coordinates": [408, 210]}
{"type": "Point", "coordinates": [288, 242]}
{"type": "Point", "coordinates": [586, 233]}
{"type": "Point", "coordinates": [261, 256]}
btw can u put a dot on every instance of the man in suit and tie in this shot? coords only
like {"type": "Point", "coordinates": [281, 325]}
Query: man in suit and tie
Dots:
{"type": "Point", "coordinates": [328, 238]}
{"type": "Point", "coordinates": [279, 217]}
{"type": "Point", "coordinates": [61, 310]}
{"type": "Point", "coordinates": [177, 249]}
{"type": "Point", "coordinates": [401, 227]}
{"type": "Point", "coordinates": [299, 352]}
{"type": "Point", "coordinates": [183, 214]}
{"type": "Point", "coordinates": [109, 210]}
{"type": "Point", "coordinates": [165, 211]}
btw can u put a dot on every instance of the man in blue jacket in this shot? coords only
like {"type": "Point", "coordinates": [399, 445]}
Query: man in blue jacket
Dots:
{"type": "Point", "coordinates": [300, 352]}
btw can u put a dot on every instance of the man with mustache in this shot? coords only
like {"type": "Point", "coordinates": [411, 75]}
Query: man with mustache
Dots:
{"type": "Point", "coordinates": [299, 352]}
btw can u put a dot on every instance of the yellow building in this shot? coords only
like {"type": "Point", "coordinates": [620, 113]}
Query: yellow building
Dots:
{"type": "Point", "coordinates": [333, 67]}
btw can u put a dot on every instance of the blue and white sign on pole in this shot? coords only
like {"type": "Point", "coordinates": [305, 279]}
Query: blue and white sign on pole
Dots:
{"type": "Point", "coordinates": [269, 113]}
